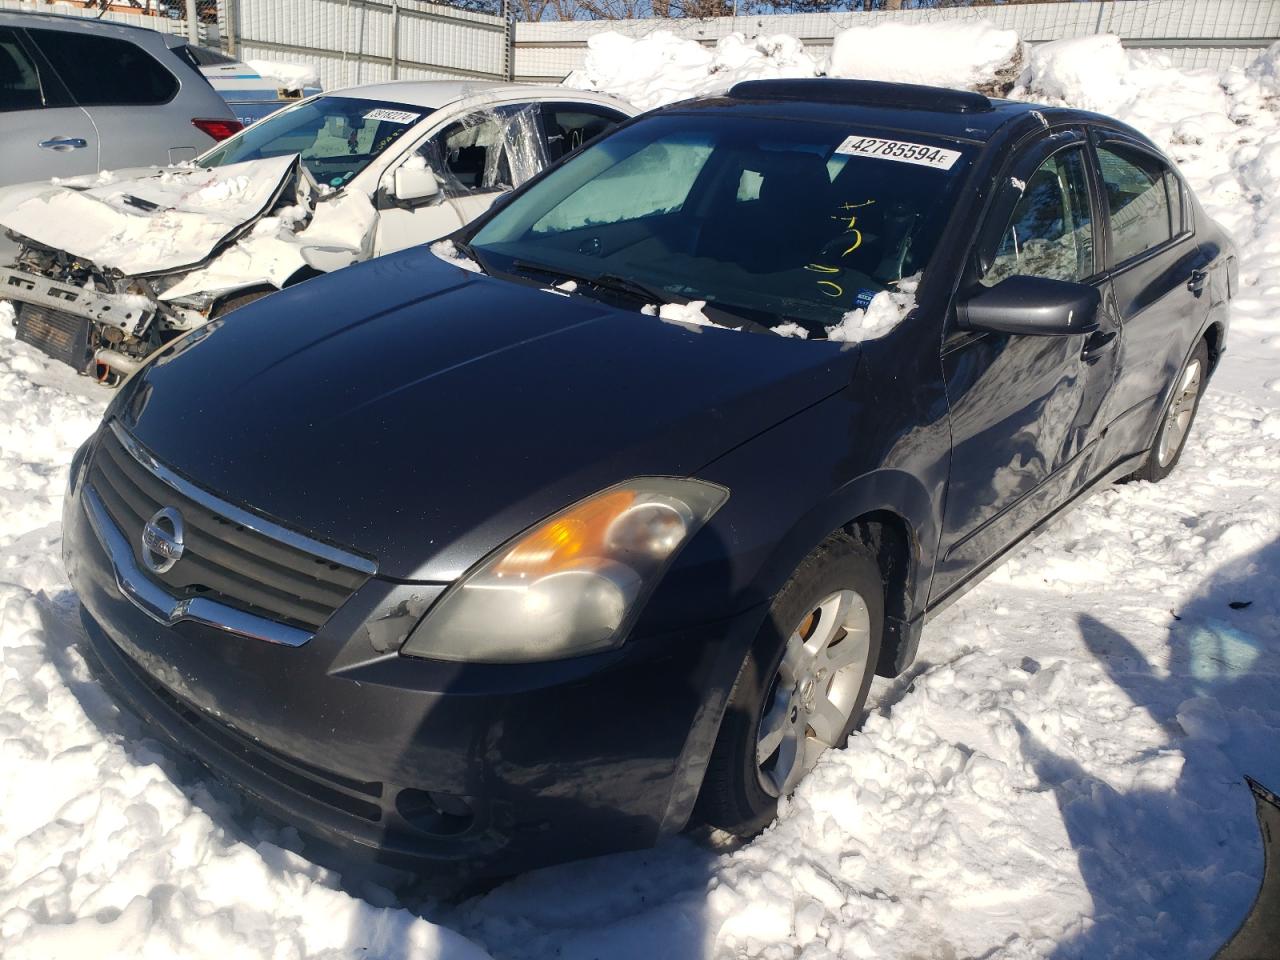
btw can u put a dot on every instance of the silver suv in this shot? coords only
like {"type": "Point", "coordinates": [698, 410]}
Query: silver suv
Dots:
{"type": "Point", "coordinates": [78, 96]}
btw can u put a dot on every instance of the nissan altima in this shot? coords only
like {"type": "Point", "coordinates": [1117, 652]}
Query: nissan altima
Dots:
{"type": "Point", "coordinates": [602, 516]}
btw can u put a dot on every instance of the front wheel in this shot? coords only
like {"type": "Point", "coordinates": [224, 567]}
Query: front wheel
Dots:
{"type": "Point", "coordinates": [802, 688]}
{"type": "Point", "coordinates": [1175, 427]}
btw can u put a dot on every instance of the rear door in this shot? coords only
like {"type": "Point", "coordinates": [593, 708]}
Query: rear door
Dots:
{"type": "Point", "coordinates": [1024, 409]}
{"type": "Point", "coordinates": [124, 90]}
{"type": "Point", "coordinates": [45, 133]}
{"type": "Point", "coordinates": [1157, 273]}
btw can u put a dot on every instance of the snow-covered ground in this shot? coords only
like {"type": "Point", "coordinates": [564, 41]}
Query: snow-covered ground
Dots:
{"type": "Point", "coordinates": [1058, 776]}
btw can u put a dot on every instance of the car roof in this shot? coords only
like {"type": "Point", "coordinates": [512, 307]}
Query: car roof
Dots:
{"type": "Point", "coordinates": [62, 21]}
{"type": "Point", "coordinates": [906, 107]}
{"type": "Point", "coordinates": [435, 94]}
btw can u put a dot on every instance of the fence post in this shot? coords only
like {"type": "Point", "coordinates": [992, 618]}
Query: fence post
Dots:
{"type": "Point", "coordinates": [228, 24]}
{"type": "Point", "coordinates": [395, 39]}
{"type": "Point", "coordinates": [508, 40]}
{"type": "Point", "coordinates": [193, 22]}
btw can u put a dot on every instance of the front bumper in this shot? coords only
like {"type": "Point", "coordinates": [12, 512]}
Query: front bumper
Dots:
{"type": "Point", "coordinates": [128, 313]}
{"type": "Point", "coordinates": [494, 768]}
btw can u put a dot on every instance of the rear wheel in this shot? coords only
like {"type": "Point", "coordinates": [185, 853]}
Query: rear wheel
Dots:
{"type": "Point", "coordinates": [1175, 427]}
{"type": "Point", "coordinates": [802, 688]}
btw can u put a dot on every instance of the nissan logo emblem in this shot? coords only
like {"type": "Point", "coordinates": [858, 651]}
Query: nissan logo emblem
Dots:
{"type": "Point", "coordinates": [162, 540]}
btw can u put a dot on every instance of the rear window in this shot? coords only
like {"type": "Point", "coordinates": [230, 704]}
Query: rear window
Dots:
{"type": "Point", "coordinates": [105, 71]}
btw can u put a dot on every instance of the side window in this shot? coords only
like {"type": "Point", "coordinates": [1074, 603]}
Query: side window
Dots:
{"type": "Point", "coordinates": [654, 180]}
{"type": "Point", "coordinates": [487, 151]}
{"type": "Point", "coordinates": [1050, 233]}
{"type": "Point", "coordinates": [570, 126]}
{"type": "Point", "coordinates": [1139, 202]}
{"type": "Point", "coordinates": [19, 81]}
{"type": "Point", "coordinates": [105, 71]}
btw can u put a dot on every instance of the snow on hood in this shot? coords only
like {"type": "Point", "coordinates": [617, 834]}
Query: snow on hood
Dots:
{"type": "Point", "coordinates": [173, 219]}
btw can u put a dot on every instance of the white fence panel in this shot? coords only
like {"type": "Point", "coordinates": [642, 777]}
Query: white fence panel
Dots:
{"type": "Point", "coordinates": [368, 41]}
{"type": "Point", "coordinates": [1190, 32]}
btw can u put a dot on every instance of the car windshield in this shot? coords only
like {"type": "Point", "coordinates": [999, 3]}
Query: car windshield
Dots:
{"type": "Point", "coordinates": [336, 136]}
{"type": "Point", "coordinates": [763, 218]}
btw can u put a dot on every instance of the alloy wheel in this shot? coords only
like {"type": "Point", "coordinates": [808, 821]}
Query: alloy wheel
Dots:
{"type": "Point", "coordinates": [814, 690]}
{"type": "Point", "coordinates": [1178, 419]}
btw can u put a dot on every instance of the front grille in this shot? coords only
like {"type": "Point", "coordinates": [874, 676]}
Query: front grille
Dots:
{"type": "Point", "coordinates": [222, 560]}
{"type": "Point", "coordinates": [63, 336]}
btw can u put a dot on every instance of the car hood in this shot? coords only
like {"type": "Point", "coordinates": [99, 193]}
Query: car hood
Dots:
{"type": "Point", "coordinates": [158, 221]}
{"type": "Point", "coordinates": [423, 414]}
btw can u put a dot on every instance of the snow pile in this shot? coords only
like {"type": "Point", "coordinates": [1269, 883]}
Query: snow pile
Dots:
{"type": "Point", "coordinates": [690, 314]}
{"type": "Point", "coordinates": [974, 55]}
{"type": "Point", "coordinates": [289, 76]}
{"type": "Point", "coordinates": [886, 310]}
{"type": "Point", "coordinates": [446, 251]}
{"type": "Point", "coordinates": [1059, 775]}
{"type": "Point", "coordinates": [1097, 73]}
{"type": "Point", "coordinates": [662, 67]}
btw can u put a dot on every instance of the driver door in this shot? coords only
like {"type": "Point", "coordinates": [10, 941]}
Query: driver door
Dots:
{"type": "Point", "coordinates": [1024, 409]}
{"type": "Point", "coordinates": [476, 159]}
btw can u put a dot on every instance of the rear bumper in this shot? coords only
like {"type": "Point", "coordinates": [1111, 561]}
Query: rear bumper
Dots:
{"type": "Point", "coordinates": [490, 768]}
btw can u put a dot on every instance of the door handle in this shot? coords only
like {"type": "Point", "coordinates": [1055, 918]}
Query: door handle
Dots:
{"type": "Point", "coordinates": [1097, 344]}
{"type": "Point", "coordinates": [1198, 279]}
{"type": "Point", "coordinates": [63, 144]}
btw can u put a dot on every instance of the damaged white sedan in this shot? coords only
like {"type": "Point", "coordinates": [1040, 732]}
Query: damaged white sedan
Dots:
{"type": "Point", "coordinates": [110, 267]}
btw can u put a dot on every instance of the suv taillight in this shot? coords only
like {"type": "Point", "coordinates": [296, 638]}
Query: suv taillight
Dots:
{"type": "Point", "coordinates": [218, 129]}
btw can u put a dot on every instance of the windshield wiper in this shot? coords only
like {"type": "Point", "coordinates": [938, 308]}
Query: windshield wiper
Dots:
{"type": "Point", "coordinates": [468, 251]}
{"type": "Point", "coordinates": [605, 281]}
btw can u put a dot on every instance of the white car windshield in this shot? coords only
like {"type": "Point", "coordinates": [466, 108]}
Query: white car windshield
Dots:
{"type": "Point", "coordinates": [337, 137]}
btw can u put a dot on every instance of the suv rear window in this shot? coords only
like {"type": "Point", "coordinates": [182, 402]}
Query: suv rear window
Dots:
{"type": "Point", "coordinates": [105, 71]}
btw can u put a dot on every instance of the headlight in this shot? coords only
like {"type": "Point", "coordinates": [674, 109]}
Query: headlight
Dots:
{"type": "Point", "coordinates": [573, 583]}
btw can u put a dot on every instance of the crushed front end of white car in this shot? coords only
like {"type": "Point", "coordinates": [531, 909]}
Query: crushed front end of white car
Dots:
{"type": "Point", "coordinates": [111, 267]}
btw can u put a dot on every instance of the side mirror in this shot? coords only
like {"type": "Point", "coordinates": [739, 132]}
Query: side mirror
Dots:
{"type": "Point", "coordinates": [1032, 306]}
{"type": "Point", "coordinates": [413, 185]}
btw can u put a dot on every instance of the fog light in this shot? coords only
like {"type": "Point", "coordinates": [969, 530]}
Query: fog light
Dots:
{"type": "Point", "coordinates": [440, 814]}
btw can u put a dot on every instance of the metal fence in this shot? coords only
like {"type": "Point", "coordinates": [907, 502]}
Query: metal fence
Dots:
{"type": "Point", "coordinates": [1194, 33]}
{"type": "Point", "coordinates": [365, 41]}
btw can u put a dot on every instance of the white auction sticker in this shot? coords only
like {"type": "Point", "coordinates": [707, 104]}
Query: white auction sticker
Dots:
{"type": "Point", "coordinates": [920, 154]}
{"type": "Point", "coordinates": [392, 116]}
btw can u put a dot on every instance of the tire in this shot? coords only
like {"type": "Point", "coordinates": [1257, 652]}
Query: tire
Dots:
{"type": "Point", "coordinates": [1177, 419]}
{"type": "Point", "coordinates": [236, 301]}
{"type": "Point", "coordinates": [836, 592]}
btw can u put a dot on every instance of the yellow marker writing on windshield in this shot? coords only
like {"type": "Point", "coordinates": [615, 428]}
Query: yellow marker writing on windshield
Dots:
{"type": "Point", "coordinates": [821, 268]}
{"type": "Point", "coordinates": [838, 290]}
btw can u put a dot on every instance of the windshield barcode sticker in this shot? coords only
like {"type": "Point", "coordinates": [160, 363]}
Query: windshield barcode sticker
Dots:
{"type": "Point", "coordinates": [920, 154]}
{"type": "Point", "coordinates": [392, 116]}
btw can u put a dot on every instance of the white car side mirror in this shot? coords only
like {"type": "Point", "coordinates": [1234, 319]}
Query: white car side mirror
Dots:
{"type": "Point", "coordinates": [413, 185]}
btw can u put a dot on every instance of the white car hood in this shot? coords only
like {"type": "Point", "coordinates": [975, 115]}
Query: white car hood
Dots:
{"type": "Point", "coordinates": [173, 219]}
